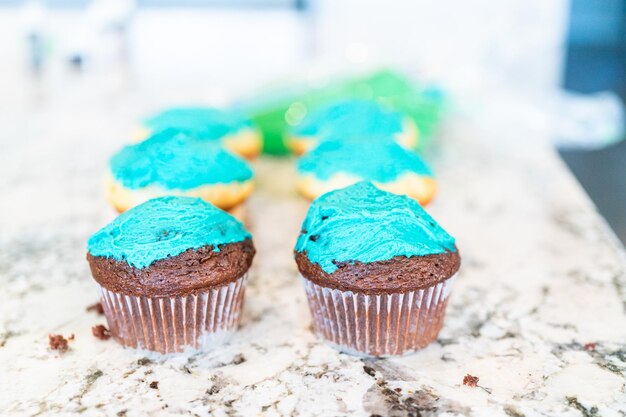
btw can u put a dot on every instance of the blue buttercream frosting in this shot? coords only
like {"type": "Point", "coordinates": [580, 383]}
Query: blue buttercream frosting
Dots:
{"type": "Point", "coordinates": [174, 160]}
{"type": "Point", "coordinates": [349, 119]}
{"type": "Point", "coordinates": [379, 160]}
{"type": "Point", "coordinates": [202, 122]}
{"type": "Point", "coordinates": [365, 224]}
{"type": "Point", "coordinates": [164, 227]}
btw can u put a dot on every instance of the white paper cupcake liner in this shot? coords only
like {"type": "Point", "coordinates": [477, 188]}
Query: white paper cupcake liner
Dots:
{"type": "Point", "coordinates": [378, 325]}
{"type": "Point", "coordinates": [174, 324]}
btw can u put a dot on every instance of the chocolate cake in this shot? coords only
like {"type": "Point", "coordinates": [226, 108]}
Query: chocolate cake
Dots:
{"type": "Point", "coordinates": [187, 273]}
{"type": "Point", "coordinates": [171, 273]}
{"type": "Point", "coordinates": [377, 270]}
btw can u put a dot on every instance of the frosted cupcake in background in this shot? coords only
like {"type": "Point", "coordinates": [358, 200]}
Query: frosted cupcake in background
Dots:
{"type": "Point", "coordinates": [228, 127]}
{"type": "Point", "coordinates": [377, 270]}
{"type": "Point", "coordinates": [173, 163]}
{"type": "Point", "coordinates": [353, 119]}
{"type": "Point", "coordinates": [171, 273]}
{"type": "Point", "coordinates": [335, 164]}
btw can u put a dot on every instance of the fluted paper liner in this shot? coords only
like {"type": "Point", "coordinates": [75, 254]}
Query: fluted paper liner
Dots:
{"type": "Point", "coordinates": [378, 325]}
{"type": "Point", "coordinates": [197, 321]}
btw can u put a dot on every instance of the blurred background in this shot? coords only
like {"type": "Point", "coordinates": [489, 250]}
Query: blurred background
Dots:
{"type": "Point", "coordinates": [556, 67]}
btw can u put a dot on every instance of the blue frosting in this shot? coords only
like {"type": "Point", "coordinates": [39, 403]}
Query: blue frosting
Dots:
{"type": "Point", "coordinates": [379, 160]}
{"type": "Point", "coordinates": [174, 160]}
{"type": "Point", "coordinates": [202, 122]}
{"type": "Point", "coordinates": [349, 119]}
{"type": "Point", "coordinates": [164, 227]}
{"type": "Point", "coordinates": [363, 223]}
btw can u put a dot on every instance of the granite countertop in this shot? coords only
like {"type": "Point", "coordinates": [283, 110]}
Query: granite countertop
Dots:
{"type": "Point", "coordinates": [538, 312]}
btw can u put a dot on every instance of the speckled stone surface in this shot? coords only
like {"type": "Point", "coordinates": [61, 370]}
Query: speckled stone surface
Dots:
{"type": "Point", "coordinates": [538, 312]}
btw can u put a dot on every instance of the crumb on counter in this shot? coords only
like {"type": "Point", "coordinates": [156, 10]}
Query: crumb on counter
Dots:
{"type": "Point", "coordinates": [101, 332]}
{"type": "Point", "coordinates": [96, 308]}
{"type": "Point", "coordinates": [590, 346]}
{"type": "Point", "coordinates": [57, 342]}
{"type": "Point", "coordinates": [470, 380]}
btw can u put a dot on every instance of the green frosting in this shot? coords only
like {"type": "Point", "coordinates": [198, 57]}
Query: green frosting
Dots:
{"type": "Point", "coordinates": [201, 122]}
{"type": "Point", "coordinates": [164, 227]}
{"type": "Point", "coordinates": [377, 160]}
{"type": "Point", "coordinates": [365, 224]}
{"type": "Point", "coordinates": [349, 119]}
{"type": "Point", "coordinates": [173, 160]}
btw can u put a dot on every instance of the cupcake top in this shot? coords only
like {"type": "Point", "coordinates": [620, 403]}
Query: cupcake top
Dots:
{"type": "Point", "coordinates": [169, 246]}
{"type": "Point", "coordinates": [363, 238]}
{"type": "Point", "coordinates": [382, 160]}
{"type": "Point", "coordinates": [165, 227]}
{"type": "Point", "coordinates": [174, 160]}
{"type": "Point", "coordinates": [202, 122]}
{"type": "Point", "coordinates": [351, 118]}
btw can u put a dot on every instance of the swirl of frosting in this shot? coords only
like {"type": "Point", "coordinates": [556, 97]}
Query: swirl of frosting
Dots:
{"type": "Point", "coordinates": [202, 122]}
{"type": "Point", "coordinates": [381, 160]}
{"type": "Point", "coordinates": [175, 160]}
{"type": "Point", "coordinates": [353, 118]}
{"type": "Point", "coordinates": [164, 227]}
{"type": "Point", "coordinates": [365, 224]}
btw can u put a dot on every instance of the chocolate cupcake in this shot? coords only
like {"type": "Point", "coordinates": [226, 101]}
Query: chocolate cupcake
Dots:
{"type": "Point", "coordinates": [171, 273]}
{"type": "Point", "coordinates": [377, 270]}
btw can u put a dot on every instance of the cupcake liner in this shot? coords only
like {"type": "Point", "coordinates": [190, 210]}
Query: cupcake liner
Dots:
{"type": "Point", "coordinates": [197, 321]}
{"type": "Point", "coordinates": [378, 325]}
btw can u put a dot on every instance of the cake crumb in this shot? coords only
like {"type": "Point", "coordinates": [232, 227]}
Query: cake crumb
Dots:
{"type": "Point", "coordinates": [57, 342]}
{"type": "Point", "coordinates": [590, 346]}
{"type": "Point", "coordinates": [96, 308]}
{"type": "Point", "coordinates": [470, 380]}
{"type": "Point", "coordinates": [101, 332]}
{"type": "Point", "coordinates": [72, 337]}
{"type": "Point", "coordinates": [154, 385]}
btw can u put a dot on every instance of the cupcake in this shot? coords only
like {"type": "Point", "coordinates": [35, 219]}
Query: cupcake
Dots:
{"type": "Point", "coordinates": [377, 271]}
{"type": "Point", "coordinates": [228, 127]}
{"type": "Point", "coordinates": [171, 273]}
{"type": "Point", "coordinates": [173, 163]}
{"type": "Point", "coordinates": [354, 119]}
{"type": "Point", "coordinates": [335, 164]}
